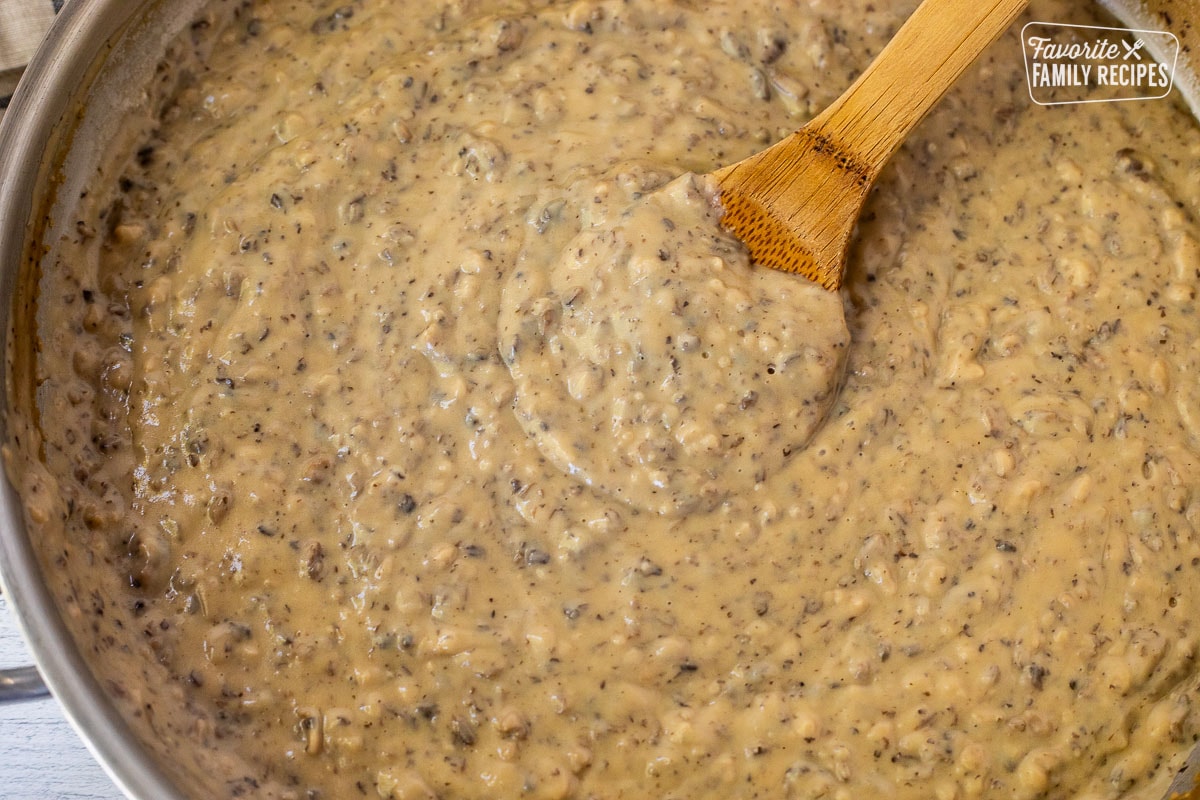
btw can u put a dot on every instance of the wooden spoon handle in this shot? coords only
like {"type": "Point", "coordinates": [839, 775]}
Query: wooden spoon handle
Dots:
{"type": "Point", "coordinates": [929, 52]}
{"type": "Point", "coordinates": [794, 205]}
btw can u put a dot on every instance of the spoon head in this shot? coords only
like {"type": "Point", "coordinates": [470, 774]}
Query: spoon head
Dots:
{"type": "Point", "coordinates": [795, 205]}
{"type": "Point", "coordinates": [772, 243]}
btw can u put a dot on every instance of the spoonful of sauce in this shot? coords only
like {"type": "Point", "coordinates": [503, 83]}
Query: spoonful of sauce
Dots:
{"type": "Point", "coordinates": [795, 204]}
{"type": "Point", "coordinates": [650, 330]}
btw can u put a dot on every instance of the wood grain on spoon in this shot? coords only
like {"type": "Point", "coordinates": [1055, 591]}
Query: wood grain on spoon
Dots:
{"type": "Point", "coordinates": [795, 204]}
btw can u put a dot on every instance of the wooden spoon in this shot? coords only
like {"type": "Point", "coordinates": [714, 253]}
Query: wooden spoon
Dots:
{"type": "Point", "coordinates": [795, 204]}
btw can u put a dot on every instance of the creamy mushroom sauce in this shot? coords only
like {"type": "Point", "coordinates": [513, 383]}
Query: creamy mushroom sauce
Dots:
{"type": "Point", "coordinates": [360, 481]}
{"type": "Point", "coordinates": [652, 360]}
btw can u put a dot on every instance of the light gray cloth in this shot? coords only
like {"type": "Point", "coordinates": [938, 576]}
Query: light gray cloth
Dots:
{"type": "Point", "coordinates": [23, 23]}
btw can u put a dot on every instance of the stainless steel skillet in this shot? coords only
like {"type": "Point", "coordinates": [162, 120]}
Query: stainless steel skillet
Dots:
{"type": "Point", "coordinates": [61, 116]}
{"type": "Point", "coordinates": [73, 95]}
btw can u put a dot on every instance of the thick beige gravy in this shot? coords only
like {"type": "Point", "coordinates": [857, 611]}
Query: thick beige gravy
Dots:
{"type": "Point", "coordinates": [650, 358]}
{"type": "Point", "coordinates": [374, 545]}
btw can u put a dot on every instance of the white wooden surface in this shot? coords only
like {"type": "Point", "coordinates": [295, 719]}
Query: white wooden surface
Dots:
{"type": "Point", "coordinates": [41, 756]}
